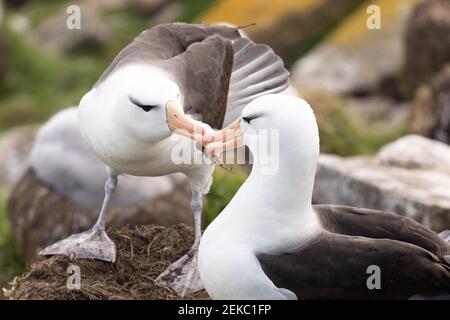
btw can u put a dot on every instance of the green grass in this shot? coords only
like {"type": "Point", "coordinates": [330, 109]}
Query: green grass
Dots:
{"type": "Point", "coordinates": [11, 263]}
{"type": "Point", "coordinates": [38, 11]}
{"type": "Point", "coordinates": [346, 132]}
{"type": "Point", "coordinates": [39, 83]}
{"type": "Point", "coordinates": [193, 8]}
{"type": "Point", "coordinates": [225, 184]}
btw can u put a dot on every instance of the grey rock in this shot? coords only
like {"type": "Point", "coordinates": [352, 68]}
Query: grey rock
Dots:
{"type": "Point", "coordinates": [354, 58]}
{"type": "Point", "coordinates": [54, 34]}
{"type": "Point", "coordinates": [15, 147]}
{"type": "Point", "coordinates": [431, 112]}
{"type": "Point", "coordinates": [427, 41]}
{"type": "Point", "coordinates": [410, 176]}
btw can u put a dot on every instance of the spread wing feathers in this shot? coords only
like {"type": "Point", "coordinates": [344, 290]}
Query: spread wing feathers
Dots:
{"type": "Point", "coordinates": [335, 266]}
{"type": "Point", "coordinates": [257, 71]}
{"type": "Point", "coordinates": [204, 71]}
{"type": "Point", "coordinates": [166, 41]}
{"type": "Point", "coordinates": [445, 235]}
{"type": "Point", "coordinates": [379, 224]}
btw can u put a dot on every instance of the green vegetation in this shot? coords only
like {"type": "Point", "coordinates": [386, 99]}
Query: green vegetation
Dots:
{"type": "Point", "coordinates": [345, 132]}
{"type": "Point", "coordinates": [225, 184]}
{"type": "Point", "coordinates": [11, 262]}
{"type": "Point", "coordinates": [39, 83]}
{"type": "Point", "coordinates": [193, 8]}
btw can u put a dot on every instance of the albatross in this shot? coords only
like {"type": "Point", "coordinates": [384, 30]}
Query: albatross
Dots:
{"type": "Point", "coordinates": [173, 78]}
{"type": "Point", "coordinates": [270, 242]}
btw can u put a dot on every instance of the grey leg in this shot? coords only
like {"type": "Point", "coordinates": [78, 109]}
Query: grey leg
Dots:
{"type": "Point", "coordinates": [110, 186]}
{"type": "Point", "coordinates": [197, 206]}
{"type": "Point", "coordinates": [91, 244]}
{"type": "Point", "coordinates": [182, 275]}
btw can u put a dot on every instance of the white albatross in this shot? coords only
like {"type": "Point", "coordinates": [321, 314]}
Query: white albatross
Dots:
{"type": "Point", "coordinates": [270, 242]}
{"type": "Point", "coordinates": [157, 85]}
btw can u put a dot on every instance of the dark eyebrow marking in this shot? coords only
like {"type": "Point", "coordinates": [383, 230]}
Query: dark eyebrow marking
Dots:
{"type": "Point", "coordinates": [144, 107]}
{"type": "Point", "coordinates": [249, 118]}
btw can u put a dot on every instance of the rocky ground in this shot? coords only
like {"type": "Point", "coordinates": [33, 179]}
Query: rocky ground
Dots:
{"type": "Point", "coordinates": [409, 176]}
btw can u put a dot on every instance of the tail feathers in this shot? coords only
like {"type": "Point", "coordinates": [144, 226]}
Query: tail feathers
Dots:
{"type": "Point", "coordinates": [257, 71]}
{"type": "Point", "coordinates": [445, 235]}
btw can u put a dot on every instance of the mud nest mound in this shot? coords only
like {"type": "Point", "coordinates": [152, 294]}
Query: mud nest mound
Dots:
{"type": "Point", "coordinates": [143, 252]}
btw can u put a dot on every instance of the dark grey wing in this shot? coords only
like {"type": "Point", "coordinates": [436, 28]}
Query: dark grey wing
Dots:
{"type": "Point", "coordinates": [218, 71]}
{"type": "Point", "coordinates": [203, 73]}
{"type": "Point", "coordinates": [257, 71]}
{"type": "Point", "coordinates": [164, 42]}
{"type": "Point", "coordinates": [334, 266]}
{"type": "Point", "coordinates": [222, 76]}
{"type": "Point", "coordinates": [380, 225]}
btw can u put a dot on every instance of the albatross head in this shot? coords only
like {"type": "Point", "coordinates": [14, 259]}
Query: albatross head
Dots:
{"type": "Point", "coordinates": [145, 103]}
{"type": "Point", "coordinates": [290, 118]}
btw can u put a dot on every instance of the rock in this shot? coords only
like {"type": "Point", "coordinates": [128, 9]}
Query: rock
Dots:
{"type": "Point", "coordinates": [54, 34]}
{"type": "Point", "coordinates": [142, 254]}
{"type": "Point", "coordinates": [169, 12]}
{"type": "Point", "coordinates": [410, 176]}
{"type": "Point", "coordinates": [427, 41]}
{"type": "Point", "coordinates": [288, 27]}
{"type": "Point", "coordinates": [416, 152]}
{"type": "Point", "coordinates": [431, 112]}
{"type": "Point", "coordinates": [15, 148]}
{"type": "Point", "coordinates": [354, 58]}
{"type": "Point", "coordinates": [62, 190]}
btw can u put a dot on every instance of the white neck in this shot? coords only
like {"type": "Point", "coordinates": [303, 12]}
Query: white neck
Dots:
{"type": "Point", "coordinates": [273, 211]}
{"type": "Point", "coordinates": [287, 190]}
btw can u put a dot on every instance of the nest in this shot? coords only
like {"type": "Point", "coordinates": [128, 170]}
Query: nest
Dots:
{"type": "Point", "coordinates": [143, 252]}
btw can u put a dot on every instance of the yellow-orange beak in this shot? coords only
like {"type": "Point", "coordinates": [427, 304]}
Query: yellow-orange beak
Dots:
{"type": "Point", "coordinates": [228, 138]}
{"type": "Point", "coordinates": [180, 123]}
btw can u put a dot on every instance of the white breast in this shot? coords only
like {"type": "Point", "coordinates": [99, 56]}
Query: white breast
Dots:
{"type": "Point", "coordinates": [129, 156]}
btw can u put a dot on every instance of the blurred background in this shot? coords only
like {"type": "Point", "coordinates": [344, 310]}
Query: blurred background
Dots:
{"type": "Point", "coordinates": [377, 74]}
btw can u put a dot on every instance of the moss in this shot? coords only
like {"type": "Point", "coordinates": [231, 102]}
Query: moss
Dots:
{"type": "Point", "coordinates": [241, 12]}
{"type": "Point", "coordinates": [192, 9]}
{"type": "Point", "coordinates": [127, 24]}
{"type": "Point", "coordinates": [39, 83]}
{"type": "Point", "coordinates": [224, 187]}
{"type": "Point", "coordinates": [346, 132]}
{"type": "Point", "coordinates": [349, 32]}
{"type": "Point", "coordinates": [320, 35]}
{"type": "Point", "coordinates": [11, 262]}
{"type": "Point", "coordinates": [38, 11]}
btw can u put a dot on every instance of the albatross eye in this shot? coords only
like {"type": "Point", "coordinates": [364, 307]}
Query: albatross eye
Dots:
{"type": "Point", "coordinates": [145, 107]}
{"type": "Point", "coordinates": [249, 119]}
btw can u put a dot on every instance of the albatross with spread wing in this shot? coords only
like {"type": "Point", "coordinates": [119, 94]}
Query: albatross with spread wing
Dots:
{"type": "Point", "coordinates": [183, 78]}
